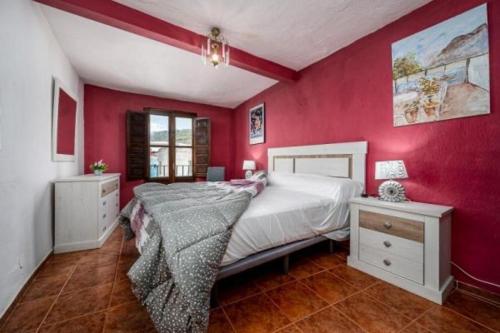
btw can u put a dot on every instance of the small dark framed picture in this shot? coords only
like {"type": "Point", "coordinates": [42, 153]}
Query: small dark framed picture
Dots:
{"type": "Point", "coordinates": [256, 122]}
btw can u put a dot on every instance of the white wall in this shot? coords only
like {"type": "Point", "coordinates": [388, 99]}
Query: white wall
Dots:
{"type": "Point", "coordinates": [29, 57]}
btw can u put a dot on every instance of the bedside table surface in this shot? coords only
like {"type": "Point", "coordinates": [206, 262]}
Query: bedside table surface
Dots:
{"type": "Point", "coordinates": [408, 206]}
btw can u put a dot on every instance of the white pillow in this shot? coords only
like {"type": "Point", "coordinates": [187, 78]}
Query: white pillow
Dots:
{"type": "Point", "coordinates": [331, 187]}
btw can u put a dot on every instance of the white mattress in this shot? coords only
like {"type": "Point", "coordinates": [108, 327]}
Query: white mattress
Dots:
{"type": "Point", "coordinates": [281, 215]}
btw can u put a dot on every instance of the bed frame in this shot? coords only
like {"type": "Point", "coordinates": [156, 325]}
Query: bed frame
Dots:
{"type": "Point", "coordinates": [346, 160]}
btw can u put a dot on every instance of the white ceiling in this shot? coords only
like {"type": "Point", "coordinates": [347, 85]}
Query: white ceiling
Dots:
{"type": "Point", "coordinates": [293, 33]}
{"type": "Point", "coordinates": [113, 58]}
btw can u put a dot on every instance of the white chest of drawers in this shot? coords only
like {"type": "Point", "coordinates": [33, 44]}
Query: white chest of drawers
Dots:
{"type": "Point", "coordinates": [406, 244]}
{"type": "Point", "coordinates": [86, 208]}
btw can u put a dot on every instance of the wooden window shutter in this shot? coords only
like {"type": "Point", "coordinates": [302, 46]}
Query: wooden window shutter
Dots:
{"type": "Point", "coordinates": [201, 146]}
{"type": "Point", "coordinates": [137, 145]}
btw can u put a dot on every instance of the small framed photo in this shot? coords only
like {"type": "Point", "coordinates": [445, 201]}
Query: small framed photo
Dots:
{"type": "Point", "coordinates": [256, 121]}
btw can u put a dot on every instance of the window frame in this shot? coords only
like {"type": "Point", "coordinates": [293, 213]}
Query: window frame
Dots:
{"type": "Point", "coordinates": [172, 145]}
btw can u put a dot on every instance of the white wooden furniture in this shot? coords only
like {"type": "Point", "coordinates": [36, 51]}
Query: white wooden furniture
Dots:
{"type": "Point", "coordinates": [406, 244]}
{"type": "Point", "coordinates": [86, 208]}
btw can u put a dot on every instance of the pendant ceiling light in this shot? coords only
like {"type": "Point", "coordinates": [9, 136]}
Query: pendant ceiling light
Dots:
{"type": "Point", "coordinates": [216, 51]}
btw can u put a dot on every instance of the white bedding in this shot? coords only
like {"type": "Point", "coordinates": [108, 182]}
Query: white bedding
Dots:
{"type": "Point", "coordinates": [291, 208]}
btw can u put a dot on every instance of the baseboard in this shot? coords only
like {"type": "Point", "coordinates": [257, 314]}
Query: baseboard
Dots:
{"type": "Point", "coordinates": [21, 290]}
{"type": "Point", "coordinates": [481, 293]}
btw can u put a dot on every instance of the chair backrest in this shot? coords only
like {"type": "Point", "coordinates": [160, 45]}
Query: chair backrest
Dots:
{"type": "Point", "coordinates": [215, 174]}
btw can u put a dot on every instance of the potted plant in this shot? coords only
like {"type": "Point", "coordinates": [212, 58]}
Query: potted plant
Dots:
{"type": "Point", "coordinates": [98, 167]}
{"type": "Point", "coordinates": [429, 87]}
{"type": "Point", "coordinates": [411, 111]}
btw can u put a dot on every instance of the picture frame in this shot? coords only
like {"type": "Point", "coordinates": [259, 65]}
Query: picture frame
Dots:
{"type": "Point", "coordinates": [64, 109]}
{"type": "Point", "coordinates": [442, 72]}
{"type": "Point", "coordinates": [256, 124]}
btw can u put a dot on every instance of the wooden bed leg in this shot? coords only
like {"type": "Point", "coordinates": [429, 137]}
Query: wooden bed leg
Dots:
{"type": "Point", "coordinates": [286, 264]}
{"type": "Point", "coordinates": [214, 298]}
{"type": "Point", "coordinates": [331, 246]}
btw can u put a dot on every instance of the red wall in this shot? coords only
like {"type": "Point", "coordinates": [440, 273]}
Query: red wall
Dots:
{"type": "Point", "coordinates": [347, 96]}
{"type": "Point", "coordinates": [104, 116]}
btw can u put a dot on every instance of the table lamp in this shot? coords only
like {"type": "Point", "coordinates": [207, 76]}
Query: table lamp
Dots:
{"type": "Point", "coordinates": [248, 166]}
{"type": "Point", "coordinates": [391, 190]}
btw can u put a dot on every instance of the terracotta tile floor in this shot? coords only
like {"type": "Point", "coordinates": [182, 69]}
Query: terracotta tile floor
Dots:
{"type": "Point", "coordinates": [89, 292]}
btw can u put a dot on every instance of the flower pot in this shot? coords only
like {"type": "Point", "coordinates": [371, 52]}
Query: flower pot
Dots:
{"type": "Point", "coordinates": [411, 115]}
{"type": "Point", "coordinates": [98, 172]}
{"type": "Point", "coordinates": [430, 110]}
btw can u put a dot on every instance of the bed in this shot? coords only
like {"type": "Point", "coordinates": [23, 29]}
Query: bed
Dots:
{"type": "Point", "coordinates": [305, 203]}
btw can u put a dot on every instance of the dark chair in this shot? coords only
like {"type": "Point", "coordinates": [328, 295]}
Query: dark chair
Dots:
{"type": "Point", "coordinates": [215, 174]}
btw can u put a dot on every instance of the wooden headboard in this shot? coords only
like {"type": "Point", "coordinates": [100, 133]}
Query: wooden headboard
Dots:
{"type": "Point", "coordinates": [346, 160]}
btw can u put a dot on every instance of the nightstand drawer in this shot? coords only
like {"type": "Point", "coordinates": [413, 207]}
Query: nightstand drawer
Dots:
{"type": "Point", "coordinates": [392, 225]}
{"type": "Point", "coordinates": [402, 247]}
{"type": "Point", "coordinates": [392, 263]}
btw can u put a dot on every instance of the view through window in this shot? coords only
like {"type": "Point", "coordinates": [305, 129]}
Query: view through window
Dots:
{"type": "Point", "coordinates": [163, 146]}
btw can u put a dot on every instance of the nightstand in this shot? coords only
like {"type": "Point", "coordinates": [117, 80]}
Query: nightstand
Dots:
{"type": "Point", "coordinates": [406, 244]}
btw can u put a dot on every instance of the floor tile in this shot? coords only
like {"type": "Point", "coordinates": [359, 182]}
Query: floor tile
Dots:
{"type": "Point", "coordinates": [95, 259]}
{"type": "Point", "coordinates": [256, 314]}
{"type": "Point", "coordinates": [43, 287]}
{"type": "Point", "coordinates": [295, 300]}
{"type": "Point", "coordinates": [218, 322]}
{"type": "Point", "coordinates": [328, 321]}
{"type": "Point", "coordinates": [326, 260]}
{"type": "Point", "coordinates": [470, 306]}
{"type": "Point", "coordinates": [122, 293]}
{"type": "Point", "coordinates": [111, 247]}
{"type": "Point", "coordinates": [372, 316]}
{"type": "Point", "coordinates": [130, 317]}
{"type": "Point", "coordinates": [87, 324]}
{"type": "Point", "coordinates": [50, 269]}
{"type": "Point", "coordinates": [407, 303]}
{"type": "Point", "coordinates": [357, 278]}
{"type": "Point", "coordinates": [90, 278]}
{"type": "Point", "coordinates": [272, 277]}
{"type": "Point", "coordinates": [443, 320]}
{"type": "Point", "coordinates": [303, 268]}
{"type": "Point", "coordinates": [289, 329]}
{"type": "Point", "coordinates": [415, 328]}
{"type": "Point", "coordinates": [79, 303]}
{"type": "Point", "coordinates": [66, 258]}
{"type": "Point", "coordinates": [123, 267]}
{"type": "Point", "coordinates": [28, 316]}
{"type": "Point", "coordinates": [329, 287]}
{"type": "Point", "coordinates": [236, 288]}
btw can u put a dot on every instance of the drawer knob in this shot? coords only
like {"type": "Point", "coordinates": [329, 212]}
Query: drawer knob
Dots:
{"type": "Point", "coordinates": [387, 244]}
{"type": "Point", "coordinates": [387, 225]}
{"type": "Point", "coordinates": [387, 262]}
{"type": "Point", "coordinates": [103, 216]}
{"type": "Point", "coordinates": [104, 203]}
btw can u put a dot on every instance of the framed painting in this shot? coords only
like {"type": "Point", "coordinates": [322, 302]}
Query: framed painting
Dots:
{"type": "Point", "coordinates": [63, 123]}
{"type": "Point", "coordinates": [256, 121]}
{"type": "Point", "coordinates": [442, 72]}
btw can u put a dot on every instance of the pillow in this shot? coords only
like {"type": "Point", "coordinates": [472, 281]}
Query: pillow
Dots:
{"type": "Point", "coordinates": [332, 187]}
{"type": "Point", "coordinates": [259, 176]}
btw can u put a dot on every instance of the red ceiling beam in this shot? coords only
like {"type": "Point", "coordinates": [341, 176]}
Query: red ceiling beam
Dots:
{"type": "Point", "coordinates": [134, 21]}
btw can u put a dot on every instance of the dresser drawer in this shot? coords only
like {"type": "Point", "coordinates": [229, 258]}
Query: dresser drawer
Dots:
{"type": "Point", "coordinates": [392, 263]}
{"type": "Point", "coordinates": [402, 247]}
{"type": "Point", "coordinates": [109, 187]}
{"type": "Point", "coordinates": [392, 225]}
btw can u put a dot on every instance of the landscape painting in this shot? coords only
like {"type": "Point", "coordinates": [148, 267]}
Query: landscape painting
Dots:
{"type": "Point", "coordinates": [443, 72]}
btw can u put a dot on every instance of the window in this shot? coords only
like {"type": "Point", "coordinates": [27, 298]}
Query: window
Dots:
{"type": "Point", "coordinates": [167, 146]}
{"type": "Point", "coordinates": [170, 145]}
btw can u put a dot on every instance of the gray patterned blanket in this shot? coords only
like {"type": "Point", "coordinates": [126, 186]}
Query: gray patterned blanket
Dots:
{"type": "Point", "coordinates": [179, 264]}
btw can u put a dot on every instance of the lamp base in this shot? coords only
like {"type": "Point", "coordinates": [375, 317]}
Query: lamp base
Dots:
{"type": "Point", "coordinates": [248, 174]}
{"type": "Point", "coordinates": [392, 191]}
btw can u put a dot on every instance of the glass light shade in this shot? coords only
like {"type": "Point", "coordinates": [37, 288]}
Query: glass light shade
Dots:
{"type": "Point", "coordinates": [216, 50]}
{"type": "Point", "coordinates": [390, 170]}
{"type": "Point", "coordinates": [249, 165]}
